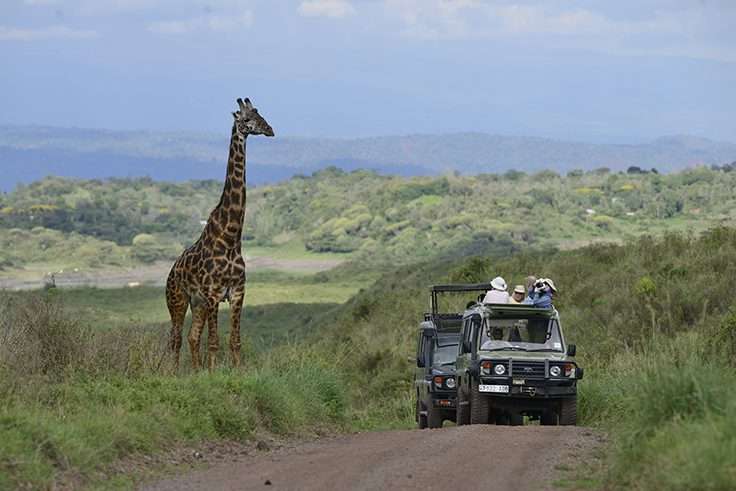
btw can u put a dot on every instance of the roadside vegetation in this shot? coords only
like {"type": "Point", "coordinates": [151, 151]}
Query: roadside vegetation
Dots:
{"type": "Point", "coordinates": [655, 329]}
{"type": "Point", "coordinates": [74, 399]}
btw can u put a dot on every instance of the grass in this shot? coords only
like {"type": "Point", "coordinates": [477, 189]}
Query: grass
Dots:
{"type": "Point", "coordinates": [75, 399]}
{"type": "Point", "coordinates": [115, 307]}
{"type": "Point", "coordinates": [73, 430]}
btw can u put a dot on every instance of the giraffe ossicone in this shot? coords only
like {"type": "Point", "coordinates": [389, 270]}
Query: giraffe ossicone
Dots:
{"type": "Point", "coordinates": [212, 270]}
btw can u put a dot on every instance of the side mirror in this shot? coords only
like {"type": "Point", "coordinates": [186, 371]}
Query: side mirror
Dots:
{"type": "Point", "coordinates": [420, 362]}
{"type": "Point", "coordinates": [466, 347]}
{"type": "Point", "coordinates": [571, 349]}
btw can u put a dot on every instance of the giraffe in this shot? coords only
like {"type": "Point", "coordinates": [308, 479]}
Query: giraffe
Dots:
{"type": "Point", "coordinates": [212, 270]}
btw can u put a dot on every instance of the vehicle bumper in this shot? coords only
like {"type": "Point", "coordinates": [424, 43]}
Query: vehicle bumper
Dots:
{"type": "Point", "coordinates": [444, 400]}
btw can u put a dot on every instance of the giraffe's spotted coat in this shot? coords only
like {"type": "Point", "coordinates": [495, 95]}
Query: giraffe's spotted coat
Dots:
{"type": "Point", "coordinates": [212, 270]}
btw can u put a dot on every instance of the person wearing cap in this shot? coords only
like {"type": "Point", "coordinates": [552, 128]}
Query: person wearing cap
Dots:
{"type": "Point", "coordinates": [541, 298]}
{"type": "Point", "coordinates": [498, 293]}
{"type": "Point", "coordinates": [518, 295]}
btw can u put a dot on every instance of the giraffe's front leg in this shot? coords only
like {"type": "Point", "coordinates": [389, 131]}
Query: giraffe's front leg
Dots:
{"type": "Point", "coordinates": [199, 317]}
{"type": "Point", "coordinates": [236, 307]}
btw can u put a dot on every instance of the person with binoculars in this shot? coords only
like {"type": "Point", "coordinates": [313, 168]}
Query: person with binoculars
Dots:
{"type": "Point", "coordinates": [540, 293]}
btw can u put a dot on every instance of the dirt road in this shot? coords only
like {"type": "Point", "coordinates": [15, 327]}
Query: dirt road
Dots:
{"type": "Point", "coordinates": [469, 457]}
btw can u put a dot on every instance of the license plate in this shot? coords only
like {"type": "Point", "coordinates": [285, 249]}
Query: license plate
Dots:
{"type": "Point", "coordinates": [503, 389]}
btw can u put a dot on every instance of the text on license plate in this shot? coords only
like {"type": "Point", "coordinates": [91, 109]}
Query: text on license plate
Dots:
{"type": "Point", "coordinates": [504, 389]}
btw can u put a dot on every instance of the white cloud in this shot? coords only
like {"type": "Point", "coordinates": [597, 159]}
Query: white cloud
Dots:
{"type": "Point", "coordinates": [326, 8]}
{"type": "Point", "coordinates": [44, 33]}
{"type": "Point", "coordinates": [213, 23]}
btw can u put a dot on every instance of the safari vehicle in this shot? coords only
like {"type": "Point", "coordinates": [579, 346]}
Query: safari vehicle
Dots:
{"type": "Point", "coordinates": [512, 362]}
{"type": "Point", "coordinates": [437, 347]}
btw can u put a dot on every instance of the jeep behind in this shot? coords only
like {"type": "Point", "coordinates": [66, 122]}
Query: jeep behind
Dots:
{"type": "Point", "coordinates": [437, 348]}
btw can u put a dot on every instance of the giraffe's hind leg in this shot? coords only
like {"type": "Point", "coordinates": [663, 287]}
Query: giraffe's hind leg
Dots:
{"type": "Point", "coordinates": [177, 302]}
{"type": "Point", "coordinates": [199, 317]}
{"type": "Point", "coordinates": [236, 307]}
{"type": "Point", "coordinates": [213, 341]}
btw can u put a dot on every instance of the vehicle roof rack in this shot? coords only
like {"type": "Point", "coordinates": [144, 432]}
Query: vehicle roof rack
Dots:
{"type": "Point", "coordinates": [462, 287]}
{"type": "Point", "coordinates": [512, 310]}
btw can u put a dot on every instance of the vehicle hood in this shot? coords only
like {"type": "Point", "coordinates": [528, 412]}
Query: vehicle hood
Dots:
{"type": "Point", "coordinates": [521, 355]}
{"type": "Point", "coordinates": [446, 370]}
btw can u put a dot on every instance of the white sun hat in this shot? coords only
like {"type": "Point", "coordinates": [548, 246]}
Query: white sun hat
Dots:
{"type": "Point", "coordinates": [551, 284]}
{"type": "Point", "coordinates": [498, 283]}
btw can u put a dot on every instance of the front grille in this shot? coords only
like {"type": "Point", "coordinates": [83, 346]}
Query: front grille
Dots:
{"type": "Point", "coordinates": [528, 369]}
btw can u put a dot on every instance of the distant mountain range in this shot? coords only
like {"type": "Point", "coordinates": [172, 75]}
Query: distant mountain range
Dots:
{"type": "Point", "coordinates": [28, 153]}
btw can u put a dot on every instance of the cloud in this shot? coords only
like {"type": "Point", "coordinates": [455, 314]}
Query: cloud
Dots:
{"type": "Point", "coordinates": [44, 33]}
{"type": "Point", "coordinates": [212, 23]}
{"type": "Point", "coordinates": [326, 8]}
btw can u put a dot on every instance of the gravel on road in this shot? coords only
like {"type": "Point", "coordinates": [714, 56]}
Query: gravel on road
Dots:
{"type": "Point", "coordinates": [469, 457]}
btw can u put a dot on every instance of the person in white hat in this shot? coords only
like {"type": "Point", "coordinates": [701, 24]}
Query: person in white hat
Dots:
{"type": "Point", "coordinates": [498, 293]}
{"type": "Point", "coordinates": [518, 294]}
{"type": "Point", "coordinates": [541, 297]}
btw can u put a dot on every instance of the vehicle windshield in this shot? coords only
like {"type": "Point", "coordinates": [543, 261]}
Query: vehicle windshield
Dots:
{"type": "Point", "coordinates": [444, 354]}
{"type": "Point", "coordinates": [535, 334]}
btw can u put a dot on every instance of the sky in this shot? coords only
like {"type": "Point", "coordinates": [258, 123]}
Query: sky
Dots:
{"type": "Point", "coordinates": [593, 70]}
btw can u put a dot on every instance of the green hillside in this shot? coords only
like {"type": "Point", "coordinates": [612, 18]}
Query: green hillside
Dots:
{"type": "Point", "coordinates": [655, 329]}
{"type": "Point", "coordinates": [399, 220]}
{"type": "Point", "coordinates": [84, 383]}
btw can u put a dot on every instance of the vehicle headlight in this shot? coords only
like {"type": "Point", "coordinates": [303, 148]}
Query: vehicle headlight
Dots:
{"type": "Point", "coordinates": [499, 369]}
{"type": "Point", "coordinates": [555, 371]}
{"type": "Point", "coordinates": [450, 382]}
{"type": "Point", "coordinates": [486, 367]}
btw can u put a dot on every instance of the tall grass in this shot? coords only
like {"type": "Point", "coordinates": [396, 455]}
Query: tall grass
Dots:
{"type": "Point", "coordinates": [655, 327]}
{"type": "Point", "coordinates": [75, 399]}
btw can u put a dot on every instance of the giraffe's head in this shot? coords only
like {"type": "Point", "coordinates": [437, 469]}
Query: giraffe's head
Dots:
{"type": "Point", "coordinates": [249, 122]}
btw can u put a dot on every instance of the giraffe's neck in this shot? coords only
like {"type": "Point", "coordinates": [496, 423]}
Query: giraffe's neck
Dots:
{"type": "Point", "coordinates": [226, 220]}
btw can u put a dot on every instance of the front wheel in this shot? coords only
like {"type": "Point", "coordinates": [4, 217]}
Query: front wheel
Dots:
{"type": "Point", "coordinates": [569, 411]}
{"type": "Point", "coordinates": [434, 415]}
{"type": "Point", "coordinates": [480, 408]}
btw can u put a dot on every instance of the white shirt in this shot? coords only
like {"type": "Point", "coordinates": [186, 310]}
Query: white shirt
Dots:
{"type": "Point", "coordinates": [496, 296]}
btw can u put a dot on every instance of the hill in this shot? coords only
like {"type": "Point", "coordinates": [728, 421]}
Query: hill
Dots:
{"type": "Point", "coordinates": [30, 153]}
{"type": "Point", "coordinates": [363, 214]}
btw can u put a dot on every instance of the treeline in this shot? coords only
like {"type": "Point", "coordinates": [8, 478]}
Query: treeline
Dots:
{"type": "Point", "coordinates": [367, 214]}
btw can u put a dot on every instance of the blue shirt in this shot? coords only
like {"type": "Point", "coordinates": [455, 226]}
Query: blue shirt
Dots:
{"type": "Point", "coordinates": [539, 300]}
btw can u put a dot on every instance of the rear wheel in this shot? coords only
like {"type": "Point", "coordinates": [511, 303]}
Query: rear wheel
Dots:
{"type": "Point", "coordinates": [421, 419]}
{"type": "Point", "coordinates": [516, 419]}
{"type": "Point", "coordinates": [462, 412]}
{"type": "Point", "coordinates": [548, 418]}
{"type": "Point", "coordinates": [569, 411]}
{"type": "Point", "coordinates": [480, 408]}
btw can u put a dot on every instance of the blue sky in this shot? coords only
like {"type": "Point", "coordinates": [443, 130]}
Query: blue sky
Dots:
{"type": "Point", "coordinates": [624, 71]}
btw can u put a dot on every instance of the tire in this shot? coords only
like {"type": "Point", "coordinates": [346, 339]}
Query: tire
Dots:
{"type": "Point", "coordinates": [569, 411]}
{"type": "Point", "coordinates": [462, 412]}
{"type": "Point", "coordinates": [516, 419]}
{"type": "Point", "coordinates": [548, 418]}
{"type": "Point", "coordinates": [434, 415]}
{"type": "Point", "coordinates": [421, 419]}
{"type": "Point", "coordinates": [480, 408]}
